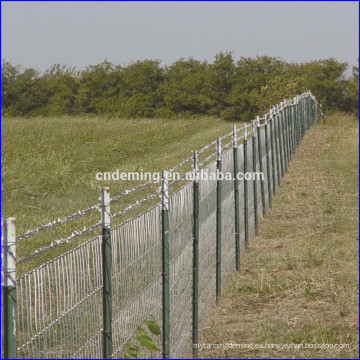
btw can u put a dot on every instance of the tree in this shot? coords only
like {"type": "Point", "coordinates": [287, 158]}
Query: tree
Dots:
{"type": "Point", "coordinates": [139, 96]}
{"type": "Point", "coordinates": [184, 88]}
{"type": "Point", "coordinates": [352, 92]}
{"type": "Point", "coordinates": [325, 79]}
{"type": "Point", "coordinates": [220, 81]}
{"type": "Point", "coordinates": [99, 88]}
{"type": "Point", "coordinates": [9, 93]}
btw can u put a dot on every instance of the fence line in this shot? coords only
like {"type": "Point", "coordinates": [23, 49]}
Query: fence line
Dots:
{"type": "Point", "coordinates": [168, 263]}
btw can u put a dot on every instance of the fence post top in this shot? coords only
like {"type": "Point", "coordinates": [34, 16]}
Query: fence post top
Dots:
{"type": "Point", "coordinates": [258, 121]}
{"type": "Point", "coordinates": [195, 166]}
{"type": "Point", "coordinates": [253, 125]}
{"type": "Point", "coordinates": [234, 136]}
{"type": "Point", "coordinates": [105, 207]}
{"type": "Point", "coordinates": [164, 191]}
{"type": "Point", "coordinates": [265, 119]}
{"type": "Point", "coordinates": [218, 149]}
{"type": "Point", "coordinates": [245, 132]}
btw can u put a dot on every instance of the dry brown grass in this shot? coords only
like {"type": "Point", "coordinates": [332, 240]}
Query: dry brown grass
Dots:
{"type": "Point", "coordinates": [299, 278]}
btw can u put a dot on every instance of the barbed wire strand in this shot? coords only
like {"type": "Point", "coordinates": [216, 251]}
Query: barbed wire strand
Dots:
{"type": "Point", "coordinates": [59, 242]}
{"type": "Point", "coordinates": [58, 221]}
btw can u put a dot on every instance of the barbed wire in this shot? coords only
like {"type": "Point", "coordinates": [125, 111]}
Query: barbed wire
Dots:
{"type": "Point", "coordinates": [206, 147]}
{"type": "Point", "coordinates": [181, 164]}
{"type": "Point", "coordinates": [59, 242]}
{"type": "Point", "coordinates": [135, 204]}
{"type": "Point", "coordinates": [130, 191]}
{"type": "Point", "coordinates": [207, 159]}
{"type": "Point", "coordinates": [58, 221]}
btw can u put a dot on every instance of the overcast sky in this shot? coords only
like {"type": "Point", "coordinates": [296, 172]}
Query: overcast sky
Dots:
{"type": "Point", "coordinates": [40, 34]}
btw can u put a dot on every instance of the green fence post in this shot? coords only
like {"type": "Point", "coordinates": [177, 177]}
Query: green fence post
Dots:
{"type": "Point", "coordinates": [246, 195]}
{"type": "Point", "coordinates": [218, 220]}
{"type": "Point", "coordinates": [106, 268]}
{"type": "Point", "coordinates": [165, 265]}
{"type": "Point", "coordinates": [268, 161]}
{"type": "Point", "coordinates": [302, 118]}
{"type": "Point", "coordinates": [280, 142]}
{"type": "Point", "coordinates": [312, 110]}
{"type": "Point", "coordinates": [236, 197]}
{"type": "Point", "coordinates": [283, 136]}
{"type": "Point", "coordinates": [295, 123]}
{"type": "Point", "coordinates": [306, 113]}
{"type": "Point", "coordinates": [256, 219]}
{"type": "Point", "coordinates": [308, 110]}
{"type": "Point", "coordinates": [195, 292]}
{"type": "Point", "coordinates": [262, 186]}
{"type": "Point", "coordinates": [297, 118]}
{"type": "Point", "coordinates": [277, 144]}
{"type": "Point", "coordinates": [292, 121]}
{"type": "Point", "coordinates": [287, 127]}
{"type": "Point", "coordinates": [272, 150]}
{"type": "Point", "coordinates": [8, 239]}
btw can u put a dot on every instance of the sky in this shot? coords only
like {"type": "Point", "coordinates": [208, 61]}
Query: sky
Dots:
{"type": "Point", "coordinates": [78, 34]}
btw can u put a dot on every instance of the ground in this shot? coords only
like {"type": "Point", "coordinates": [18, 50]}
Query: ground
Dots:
{"type": "Point", "coordinates": [298, 282]}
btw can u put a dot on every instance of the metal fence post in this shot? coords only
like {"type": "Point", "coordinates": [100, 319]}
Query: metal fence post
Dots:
{"type": "Point", "coordinates": [195, 292]}
{"type": "Point", "coordinates": [165, 266]}
{"type": "Point", "coordinates": [262, 186]}
{"type": "Point", "coordinates": [277, 144]}
{"type": "Point", "coordinates": [297, 121]}
{"type": "Point", "coordinates": [293, 120]}
{"type": "Point", "coordinates": [280, 142]}
{"type": "Point", "coordinates": [268, 161]}
{"type": "Point", "coordinates": [272, 150]}
{"type": "Point", "coordinates": [283, 136]}
{"type": "Point", "coordinates": [9, 286]}
{"type": "Point", "coordinates": [236, 197]}
{"type": "Point", "coordinates": [287, 127]}
{"type": "Point", "coordinates": [302, 118]}
{"type": "Point", "coordinates": [253, 133]}
{"type": "Point", "coordinates": [106, 268]}
{"type": "Point", "coordinates": [291, 128]}
{"type": "Point", "coordinates": [246, 202]}
{"type": "Point", "coordinates": [218, 219]}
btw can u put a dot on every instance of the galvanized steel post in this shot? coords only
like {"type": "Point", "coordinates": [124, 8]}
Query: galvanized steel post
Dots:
{"type": "Point", "coordinates": [256, 219]}
{"type": "Point", "coordinates": [268, 161]}
{"type": "Point", "coordinates": [8, 239]}
{"type": "Point", "coordinates": [280, 143]}
{"type": "Point", "coordinates": [283, 136]}
{"type": "Point", "coordinates": [277, 144]}
{"type": "Point", "coordinates": [195, 292]}
{"type": "Point", "coordinates": [218, 218]}
{"type": "Point", "coordinates": [272, 151]}
{"type": "Point", "coordinates": [246, 201]}
{"type": "Point", "coordinates": [106, 268]}
{"type": "Point", "coordinates": [236, 197]}
{"type": "Point", "coordinates": [165, 266]}
{"type": "Point", "coordinates": [262, 186]}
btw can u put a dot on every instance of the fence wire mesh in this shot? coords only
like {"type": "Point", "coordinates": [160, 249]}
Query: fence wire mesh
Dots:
{"type": "Point", "coordinates": [59, 306]}
{"type": "Point", "coordinates": [136, 277]}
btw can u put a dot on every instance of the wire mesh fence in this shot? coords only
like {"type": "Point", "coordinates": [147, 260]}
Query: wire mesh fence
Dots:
{"type": "Point", "coordinates": [168, 263]}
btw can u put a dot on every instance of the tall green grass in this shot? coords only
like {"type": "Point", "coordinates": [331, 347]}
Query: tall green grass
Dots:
{"type": "Point", "coordinates": [49, 166]}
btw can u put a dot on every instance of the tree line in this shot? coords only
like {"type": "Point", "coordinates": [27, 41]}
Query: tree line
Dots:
{"type": "Point", "coordinates": [232, 90]}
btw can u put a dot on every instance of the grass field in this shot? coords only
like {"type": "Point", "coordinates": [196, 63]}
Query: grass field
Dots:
{"type": "Point", "coordinates": [299, 279]}
{"type": "Point", "coordinates": [49, 167]}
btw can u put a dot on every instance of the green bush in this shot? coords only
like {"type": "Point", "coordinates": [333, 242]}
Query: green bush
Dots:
{"type": "Point", "coordinates": [188, 87]}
